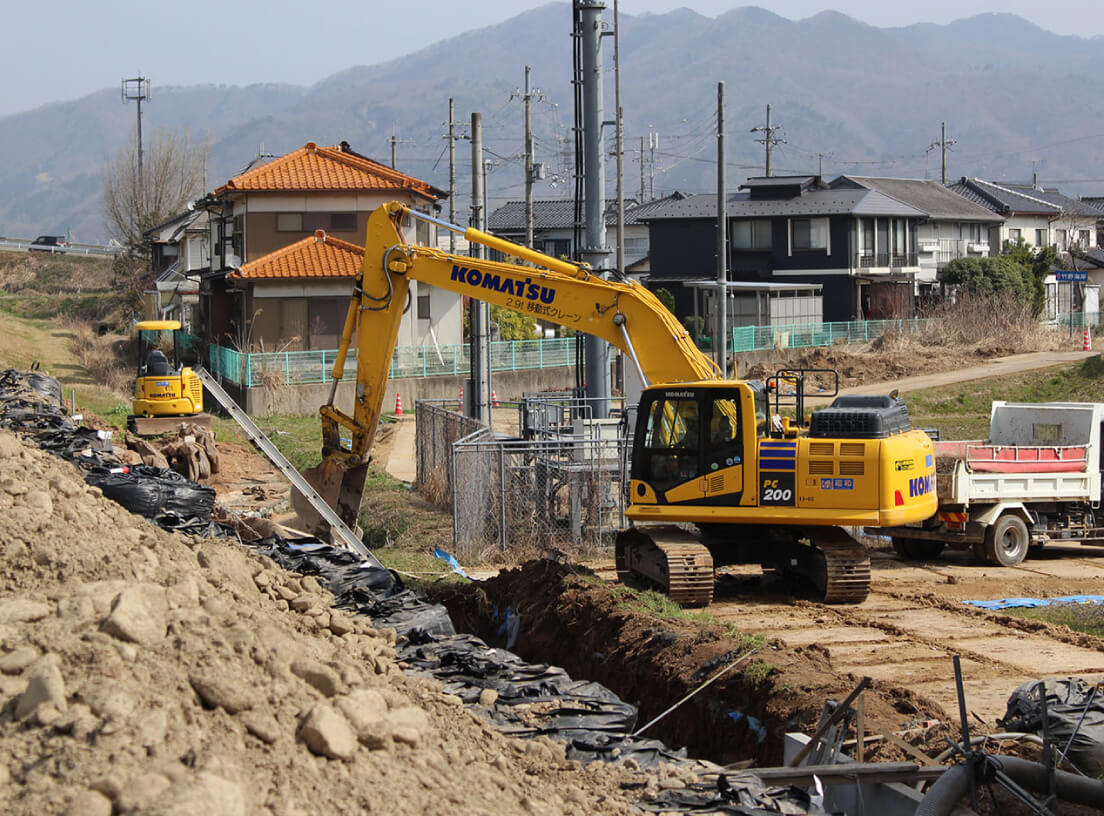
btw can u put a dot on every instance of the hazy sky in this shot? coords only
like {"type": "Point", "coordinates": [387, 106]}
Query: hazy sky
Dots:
{"type": "Point", "coordinates": [55, 50]}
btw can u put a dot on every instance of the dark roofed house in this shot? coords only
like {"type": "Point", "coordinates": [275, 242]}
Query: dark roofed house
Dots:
{"type": "Point", "coordinates": [554, 226]}
{"type": "Point", "coordinates": [857, 244]}
{"type": "Point", "coordinates": [1038, 216]}
{"type": "Point", "coordinates": [955, 226]}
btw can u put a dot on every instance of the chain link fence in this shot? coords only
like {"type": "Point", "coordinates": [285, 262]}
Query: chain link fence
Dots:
{"type": "Point", "coordinates": [436, 428]}
{"type": "Point", "coordinates": [531, 496]}
{"type": "Point", "coordinates": [563, 489]}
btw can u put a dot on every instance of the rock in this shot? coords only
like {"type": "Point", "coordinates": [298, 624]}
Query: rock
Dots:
{"type": "Point", "coordinates": [306, 601]}
{"type": "Point", "coordinates": [78, 721]}
{"type": "Point", "coordinates": [18, 610]}
{"type": "Point", "coordinates": [141, 792]}
{"type": "Point", "coordinates": [261, 725]}
{"type": "Point", "coordinates": [89, 803]}
{"type": "Point", "coordinates": [139, 615]}
{"type": "Point", "coordinates": [18, 659]}
{"type": "Point", "coordinates": [453, 700]}
{"type": "Point", "coordinates": [408, 725]}
{"type": "Point", "coordinates": [327, 733]}
{"type": "Point", "coordinates": [184, 593]}
{"type": "Point", "coordinates": [340, 624]}
{"type": "Point", "coordinates": [205, 794]}
{"type": "Point", "coordinates": [223, 692]}
{"type": "Point", "coordinates": [110, 786]}
{"type": "Point", "coordinates": [45, 695]}
{"type": "Point", "coordinates": [10, 446]}
{"type": "Point", "coordinates": [365, 709]}
{"type": "Point", "coordinates": [287, 593]}
{"type": "Point", "coordinates": [310, 584]}
{"type": "Point", "coordinates": [488, 697]}
{"type": "Point", "coordinates": [321, 677]}
{"type": "Point", "coordinates": [40, 502]}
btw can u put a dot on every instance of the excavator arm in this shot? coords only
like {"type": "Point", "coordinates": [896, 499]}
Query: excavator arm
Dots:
{"type": "Point", "coordinates": [624, 313]}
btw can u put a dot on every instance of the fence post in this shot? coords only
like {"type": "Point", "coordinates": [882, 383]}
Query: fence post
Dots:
{"type": "Point", "coordinates": [323, 366]}
{"type": "Point", "coordinates": [513, 355]}
{"type": "Point", "coordinates": [287, 366]}
{"type": "Point", "coordinates": [540, 353]}
{"type": "Point", "coordinates": [248, 369]}
{"type": "Point", "coordinates": [502, 495]}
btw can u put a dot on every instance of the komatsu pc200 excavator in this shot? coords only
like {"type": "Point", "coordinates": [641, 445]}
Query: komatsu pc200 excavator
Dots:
{"type": "Point", "coordinates": [708, 454]}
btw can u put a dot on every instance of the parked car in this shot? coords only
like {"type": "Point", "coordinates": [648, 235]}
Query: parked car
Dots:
{"type": "Point", "coordinates": [47, 243]}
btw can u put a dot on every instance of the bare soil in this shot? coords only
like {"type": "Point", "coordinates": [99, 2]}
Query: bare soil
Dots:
{"type": "Point", "coordinates": [144, 672]}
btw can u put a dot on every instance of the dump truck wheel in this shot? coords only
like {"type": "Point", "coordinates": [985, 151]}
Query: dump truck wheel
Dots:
{"type": "Point", "coordinates": [1007, 541]}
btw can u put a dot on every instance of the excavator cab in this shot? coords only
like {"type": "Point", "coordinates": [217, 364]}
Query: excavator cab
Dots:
{"type": "Point", "coordinates": [163, 387]}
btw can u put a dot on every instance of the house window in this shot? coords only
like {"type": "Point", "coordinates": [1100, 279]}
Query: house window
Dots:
{"type": "Point", "coordinates": [421, 232]}
{"type": "Point", "coordinates": [975, 232]}
{"type": "Point", "coordinates": [1083, 239]}
{"type": "Point", "coordinates": [751, 234]}
{"type": "Point", "coordinates": [289, 222]}
{"type": "Point", "coordinates": [1040, 237]}
{"type": "Point", "coordinates": [1015, 234]}
{"type": "Point", "coordinates": [423, 305]}
{"type": "Point", "coordinates": [809, 234]}
{"type": "Point", "coordinates": [309, 222]}
{"type": "Point", "coordinates": [1060, 238]}
{"type": "Point", "coordinates": [556, 247]}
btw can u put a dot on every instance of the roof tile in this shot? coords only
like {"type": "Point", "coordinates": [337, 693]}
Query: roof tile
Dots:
{"type": "Point", "coordinates": [324, 169]}
{"type": "Point", "coordinates": [316, 256]}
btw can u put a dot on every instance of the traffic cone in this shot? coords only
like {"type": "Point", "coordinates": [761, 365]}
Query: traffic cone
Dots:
{"type": "Point", "coordinates": [1086, 343]}
{"type": "Point", "coordinates": [461, 398]}
{"type": "Point", "coordinates": [398, 404]}
{"type": "Point", "coordinates": [494, 399]}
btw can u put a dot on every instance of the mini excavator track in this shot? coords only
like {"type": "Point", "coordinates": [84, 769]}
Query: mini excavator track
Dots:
{"type": "Point", "coordinates": [671, 559]}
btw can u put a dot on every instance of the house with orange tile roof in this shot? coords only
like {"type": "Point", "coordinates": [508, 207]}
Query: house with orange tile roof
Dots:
{"type": "Point", "coordinates": [286, 241]}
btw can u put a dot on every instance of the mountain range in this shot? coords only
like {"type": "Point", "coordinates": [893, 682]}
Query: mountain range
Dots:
{"type": "Point", "coordinates": [850, 97]}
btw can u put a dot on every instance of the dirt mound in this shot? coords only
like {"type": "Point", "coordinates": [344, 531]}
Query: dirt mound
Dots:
{"type": "Point", "coordinates": [608, 634]}
{"type": "Point", "coordinates": [143, 672]}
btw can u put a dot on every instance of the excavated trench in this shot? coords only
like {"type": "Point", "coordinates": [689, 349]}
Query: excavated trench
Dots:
{"type": "Point", "coordinates": [564, 615]}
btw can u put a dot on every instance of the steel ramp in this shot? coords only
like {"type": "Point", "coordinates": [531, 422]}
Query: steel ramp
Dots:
{"type": "Point", "coordinates": [342, 535]}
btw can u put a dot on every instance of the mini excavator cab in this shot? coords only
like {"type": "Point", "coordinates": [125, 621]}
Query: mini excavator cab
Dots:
{"type": "Point", "coordinates": [164, 387]}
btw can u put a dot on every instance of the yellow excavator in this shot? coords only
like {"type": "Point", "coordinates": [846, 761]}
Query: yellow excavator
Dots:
{"type": "Point", "coordinates": [709, 454]}
{"type": "Point", "coordinates": [164, 390]}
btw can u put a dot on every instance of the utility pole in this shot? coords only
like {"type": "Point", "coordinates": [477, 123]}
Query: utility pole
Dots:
{"type": "Point", "coordinates": [619, 143]}
{"type": "Point", "coordinates": [653, 146]}
{"type": "Point", "coordinates": [942, 144]}
{"type": "Point", "coordinates": [769, 140]}
{"type": "Point", "coordinates": [720, 343]}
{"type": "Point", "coordinates": [452, 173]}
{"type": "Point", "coordinates": [643, 189]}
{"type": "Point", "coordinates": [530, 167]}
{"type": "Point", "coordinates": [137, 88]}
{"type": "Point", "coordinates": [394, 140]}
{"type": "Point", "coordinates": [477, 320]}
{"type": "Point", "coordinates": [588, 14]}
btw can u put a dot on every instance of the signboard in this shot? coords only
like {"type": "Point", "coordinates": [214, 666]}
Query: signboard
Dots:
{"type": "Point", "coordinates": [1070, 276]}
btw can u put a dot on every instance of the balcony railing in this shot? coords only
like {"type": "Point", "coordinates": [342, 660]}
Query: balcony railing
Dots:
{"type": "Point", "coordinates": [883, 260]}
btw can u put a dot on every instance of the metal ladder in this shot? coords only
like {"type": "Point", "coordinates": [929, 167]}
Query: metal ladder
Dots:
{"type": "Point", "coordinates": [339, 530]}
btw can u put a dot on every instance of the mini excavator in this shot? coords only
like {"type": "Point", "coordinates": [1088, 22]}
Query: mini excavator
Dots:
{"type": "Point", "coordinates": [708, 453]}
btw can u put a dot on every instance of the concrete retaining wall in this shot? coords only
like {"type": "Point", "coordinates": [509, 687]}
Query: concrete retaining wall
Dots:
{"type": "Point", "coordinates": [305, 399]}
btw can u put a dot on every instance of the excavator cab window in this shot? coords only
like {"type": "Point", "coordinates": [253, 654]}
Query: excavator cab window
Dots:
{"type": "Point", "coordinates": [672, 441]}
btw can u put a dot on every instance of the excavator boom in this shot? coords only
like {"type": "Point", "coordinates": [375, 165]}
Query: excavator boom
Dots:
{"type": "Point", "coordinates": [624, 313]}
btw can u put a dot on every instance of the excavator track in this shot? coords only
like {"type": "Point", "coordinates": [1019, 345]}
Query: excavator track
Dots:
{"type": "Point", "coordinates": [667, 557]}
{"type": "Point", "coordinates": [840, 568]}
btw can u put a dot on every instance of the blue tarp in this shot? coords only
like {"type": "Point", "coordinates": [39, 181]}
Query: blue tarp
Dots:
{"type": "Point", "coordinates": [1006, 603]}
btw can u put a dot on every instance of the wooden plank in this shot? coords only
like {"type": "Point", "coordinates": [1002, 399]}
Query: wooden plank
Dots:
{"type": "Point", "coordinates": [860, 728]}
{"type": "Point", "coordinates": [911, 750]}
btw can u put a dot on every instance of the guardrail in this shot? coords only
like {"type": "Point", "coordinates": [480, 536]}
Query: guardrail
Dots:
{"type": "Point", "coordinates": [24, 245]}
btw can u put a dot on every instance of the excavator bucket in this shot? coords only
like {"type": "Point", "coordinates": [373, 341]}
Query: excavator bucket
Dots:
{"type": "Point", "coordinates": [339, 486]}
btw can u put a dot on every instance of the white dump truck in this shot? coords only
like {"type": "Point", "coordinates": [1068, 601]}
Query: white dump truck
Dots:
{"type": "Point", "coordinates": [1036, 479]}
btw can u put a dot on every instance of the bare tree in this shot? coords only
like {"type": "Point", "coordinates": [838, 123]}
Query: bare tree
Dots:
{"type": "Point", "coordinates": [173, 171]}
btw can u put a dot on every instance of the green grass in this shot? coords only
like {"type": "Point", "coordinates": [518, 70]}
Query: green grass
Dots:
{"type": "Point", "coordinates": [961, 410]}
{"type": "Point", "coordinates": [1087, 618]}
